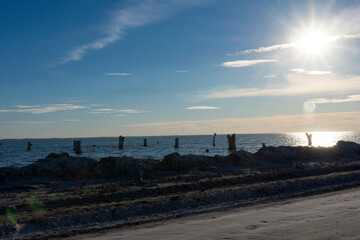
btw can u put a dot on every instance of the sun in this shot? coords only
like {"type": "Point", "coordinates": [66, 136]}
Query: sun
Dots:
{"type": "Point", "coordinates": [313, 42]}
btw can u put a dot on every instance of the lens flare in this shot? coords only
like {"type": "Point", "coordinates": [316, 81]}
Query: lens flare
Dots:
{"type": "Point", "coordinates": [36, 204]}
{"type": "Point", "coordinates": [11, 216]}
{"type": "Point", "coordinates": [309, 106]}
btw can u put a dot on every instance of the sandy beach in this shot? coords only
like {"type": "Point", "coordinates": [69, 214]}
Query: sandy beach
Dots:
{"type": "Point", "coordinates": [327, 216]}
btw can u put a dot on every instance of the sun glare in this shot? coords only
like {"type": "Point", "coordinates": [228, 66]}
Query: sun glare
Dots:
{"type": "Point", "coordinates": [323, 139]}
{"type": "Point", "coordinates": [313, 43]}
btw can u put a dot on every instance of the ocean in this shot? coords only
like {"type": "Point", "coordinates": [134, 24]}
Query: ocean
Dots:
{"type": "Point", "coordinates": [15, 153]}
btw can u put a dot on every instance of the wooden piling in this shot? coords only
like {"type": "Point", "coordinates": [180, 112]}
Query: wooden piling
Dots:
{"type": "Point", "coordinates": [176, 143]}
{"type": "Point", "coordinates": [309, 137]}
{"type": "Point", "coordinates": [214, 139]}
{"type": "Point", "coordinates": [121, 142]}
{"type": "Point", "coordinates": [77, 146]}
{"type": "Point", "coordinates": [145, 143]}
{"type": "Point", "coordinates": [29, 145]}
{"type": "Point", "coordinates": [232, 141]}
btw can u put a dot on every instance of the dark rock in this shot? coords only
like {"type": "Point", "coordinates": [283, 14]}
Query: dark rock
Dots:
{"type": "Point", "coordinates": [126, 167]}
{"type": "Point", "coordinates": [61, 166]}
{"type": "Point", "coordinates": [240, 158]}
{"type": "Point", "coordinates": [346, 149]}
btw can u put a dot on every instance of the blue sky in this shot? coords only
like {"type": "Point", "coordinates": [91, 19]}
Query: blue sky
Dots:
{"type": "Point", "coordinates": [138, 68]}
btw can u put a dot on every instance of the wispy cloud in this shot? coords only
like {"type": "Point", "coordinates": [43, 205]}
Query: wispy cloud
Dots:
{"type": "Point", "coordinates": [270, 76]}
{"type": "Point", "coordinates": [295, 85]}
{"type": "Point", "coordinates": [131, 111]}
{"type": "Point", "coordinates": [41, 109]}
{"type": "Point", "coordinates": [97, 111]}
{"type": "Point", "coordinates": [138, 13]}
{"type": "Point", "coordinates": [264, 49]}
{"type": "Point", "coordinates": [118, 74]}
{"type": "Point", "coordinates": [290, 45]}
{"type": "Point", "coordinates": [351, 98]}
{"type": "Point", "coordinates": [245, 63]}
{"type": "Point", "coordinates": [202, 108]}
{"type": "Point", "coordinates": [313, 72]}
{"type": "Point", "coordinates": [181, 71]}
{"type": "Point", "coordinates": [317, 72]}
{"type": "Point", "coordinates": [298, 70]}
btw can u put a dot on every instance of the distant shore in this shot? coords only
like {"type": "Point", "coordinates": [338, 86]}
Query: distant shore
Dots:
{"type": "Point", "coordinates": [63, 195]}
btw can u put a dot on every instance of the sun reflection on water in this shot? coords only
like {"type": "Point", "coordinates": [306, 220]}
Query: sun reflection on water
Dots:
{"type": "Point", "coordinates": [323, 139]}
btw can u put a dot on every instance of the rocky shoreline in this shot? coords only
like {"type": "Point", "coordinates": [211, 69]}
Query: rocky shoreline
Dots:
{"type": "Point", "coordinates": [63, 195]}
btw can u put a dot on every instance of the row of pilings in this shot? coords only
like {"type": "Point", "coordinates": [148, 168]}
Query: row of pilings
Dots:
{"type": "Point", "coordinates": [231, 143]}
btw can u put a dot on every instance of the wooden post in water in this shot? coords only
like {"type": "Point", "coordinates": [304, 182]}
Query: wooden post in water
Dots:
{"type": "Point", "coordinates": [145, 143]}
{"type": "Point", "coordinates": [232, 141]}
{"type": "Point", "coordinates": [309, 137]}
{"type": "Point", "coordinates": [77, 147]}
{"type": "Point", "coordinates": [29, 145]}
{"type": "Point", "coordinates": [176, 142]}
{"type": "Point", "coordinates": [121, 142]}
{"type": "Point", "coordinates": [214, 139]}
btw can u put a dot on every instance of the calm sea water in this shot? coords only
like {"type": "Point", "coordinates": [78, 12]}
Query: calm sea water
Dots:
{"type": "Point", "coordinates": [15, 153]}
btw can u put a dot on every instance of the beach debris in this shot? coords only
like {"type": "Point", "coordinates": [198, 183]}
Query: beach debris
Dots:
{"type": "Point", "coordinates": [29, 145]}
{"type": "Point", "coordinates": [309, 138]}
{"type": "Point", "coordinates": [145, 142]}
{"type": "Point", "coordinates": [121, 142]}
{"type": "Point", "coordinates": [214, 139]}
{"type": "Point", "coordinates": [77, 146]}
{"type": "Point", "coordinates": [176, 143]}
{"type": "Point", "coordinates": [207, 150]}
{"type": "Point", "coordinates": [232, 141]}
{"type": "Point", "coordinates": [1, 144]}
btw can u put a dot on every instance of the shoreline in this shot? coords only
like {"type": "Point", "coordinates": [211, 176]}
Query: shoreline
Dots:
{"type": "Point", "coordinates": [62, 195]}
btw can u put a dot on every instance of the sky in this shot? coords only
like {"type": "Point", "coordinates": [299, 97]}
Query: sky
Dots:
{"type": "Point", "coordinates": [92, 68]}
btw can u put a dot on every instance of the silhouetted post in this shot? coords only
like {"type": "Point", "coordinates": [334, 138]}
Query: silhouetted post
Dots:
{"type": "Point", "coordinates": [214, 139]}
{"type": "Point", "coordinates": [1, 144]}
{"type": "Point", "coordinates": [176, 142]}
{"type": "Point", "coordinates": [263, 145]}
{"type": "Point", "coordinates": [121, 142]}
{"type": "Point", "coordinates": [77, 147]}
{"type": "Point", "coordinates": [309, 137]}
{"type": "Point", "coordinates": [29, 145]}
{"type": "Point", "coordinates": [231, 141]}
{"type": "Point", "coordinates": [145, 143]}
